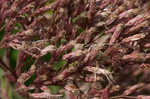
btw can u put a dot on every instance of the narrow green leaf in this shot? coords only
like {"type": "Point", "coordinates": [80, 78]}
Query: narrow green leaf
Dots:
{"type": "Point", "coordinates": [47, 44]}
{"type": "Point", "coordinates": [10, 92]}
{"type": "Point", "coordinates": [46, 57]}
{"type": "Point", "coordinates": [101, 33]}
{"type": "Point", "coordinates": [50, 12]}
{"type": "Point", "coordinates": [50, 1]}
{"type": "Point", "coordinates": [2, 32]}
{"type": "Point", "coordinates": [73, 49]}
{"type": "Point", "coordinates": [31, 90]}
{"type": "Point", "coordinates": [59, 64]}
{"type": "Point", "coordinates": [83, 14]}
{"type": "Point", "coordinates": [2, 51]}
{"type": "Point", "coordinates": [71, 64]}
{"type": "Point", "coordinates": [75, 19]}
{"type": "Point", "coordinates": [25, 15]}
{"type": "Point", "coordinates": [54, 88]}
{"type": "Point", "coordinates": [63, 40]}
{"type": "Point", "coordinates": [17, 28]}
{"type": "Point", "coordinates": [13, 58]}
{"type": "Point", "coordinates": [28, 62]}
{"type": "Point", "coordinates": [80, 30]}
{"type": "Point", "coordinates": [35, 38]}
{"type": "Point", "coordinates": [30, 80]}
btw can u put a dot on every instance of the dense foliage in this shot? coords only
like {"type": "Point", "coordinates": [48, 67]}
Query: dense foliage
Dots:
{"type": "Point", "coordinates": [76, 49]}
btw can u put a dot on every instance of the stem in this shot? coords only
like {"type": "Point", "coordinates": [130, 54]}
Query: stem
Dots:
{"type": "Point", "coordinates": [129, 97]}
{"type": "Point", "coordinates": [6, 68]}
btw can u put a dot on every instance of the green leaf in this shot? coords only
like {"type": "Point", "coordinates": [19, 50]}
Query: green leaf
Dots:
{"type": "Point", "coordinates": [58, 43]}
{"type": "Point", "coordinates": [100, 53]}
{"type": "Point", "coordinates": [46, 57]}
{"type": "Point", "coordinates": [47, 44]}
{"type": "Point", "coordinates": [71, 64]}
{"type": "Point", "coordinates": [54, 88]}
{"type": "Point", "coordinates": [83, 14]}
{"type": "Point", "coordinates": [2, 51]}
{"type": "Point", "coordinates": [63, 40]}
{"type": "Point", "coordinates": [35, 38]}
{"type": "Point", "coordinates": [80, 30]}
{"type": "Point", "coordinates": [10, 92]}
{"type": "Point", "coordinates": [50, 1]}
{"type": "Point", "coordinates": [101, 33]}
{"type": "Point", "coordinates": [59, 64]}
{"type": "Point", "coordinates": [2, 78]}
{"type": "Point", "coordinates": [73, 49]}
{"type": "Point", "coordinates": [2, 32]}
{"type": "Point", "coordinates": [30, 80]}
{"type": "Point", "coordinates": [25, 15]}
{"type": "Point", "coordinates": [13, 58]}
{"type": "Point", "coordinates": [17, 28]}
{"type": "Point", "coordinates": [50, 12]}
{"type": "Point", "coordinates": [1, 73]}
{"type": "Point", "coordinates": [17, 96]}
{"type": "Point", "coordinates": [63, 95]}
{"type": "Point", "coordinates": [75, 19]}
{"type": "Point", "coordinates": [31, 90]}
{"type": "Point", "coordinates": [28, 62]}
